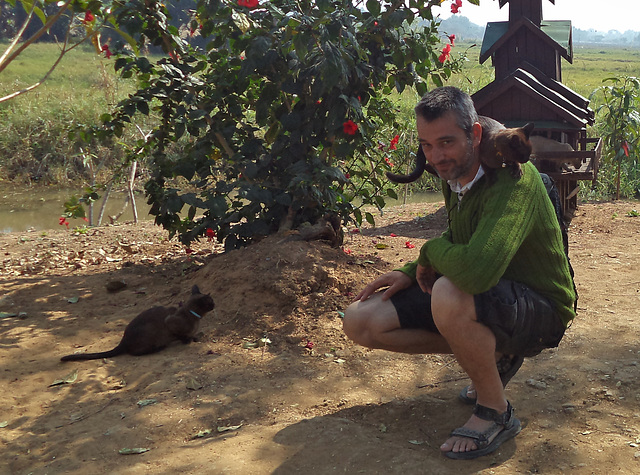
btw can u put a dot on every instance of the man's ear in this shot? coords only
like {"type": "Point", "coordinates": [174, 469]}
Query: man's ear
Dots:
{"type": "Point", "coordinates": [476, 130]}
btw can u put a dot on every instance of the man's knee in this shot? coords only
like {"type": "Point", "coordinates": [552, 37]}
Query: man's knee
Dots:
{"type": "Point", "coordinates": [364, 322]}
{"type": "Point", "coordinates": [352, 323]}
{"type": "Point", "coordinates": [450, 305]}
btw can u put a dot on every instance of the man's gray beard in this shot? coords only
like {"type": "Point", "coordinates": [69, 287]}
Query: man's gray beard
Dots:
{"type": "Point", "coordinates": [466, 166]}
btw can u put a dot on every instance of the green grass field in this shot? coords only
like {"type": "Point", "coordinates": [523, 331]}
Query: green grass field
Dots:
{"type": "Point", "coordinates": [33, 126]}
{"type": "Point", "coordinates": [82, 87]}
{"type": "Point", "coordinates": [85, 85]}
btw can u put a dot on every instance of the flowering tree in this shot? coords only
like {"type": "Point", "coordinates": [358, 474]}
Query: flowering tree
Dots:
{"type": "Point", "coordinates": [280, 118]}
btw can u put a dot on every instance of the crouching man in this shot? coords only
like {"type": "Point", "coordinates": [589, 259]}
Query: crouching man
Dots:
{"type": "Point", "coordinates": [494, 288]}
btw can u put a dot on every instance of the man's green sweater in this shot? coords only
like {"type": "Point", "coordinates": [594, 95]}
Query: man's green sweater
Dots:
{"type": "Point", "coordinates": [507, 229]}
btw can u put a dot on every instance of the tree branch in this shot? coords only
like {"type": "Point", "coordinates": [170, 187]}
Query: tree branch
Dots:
{"type": "Point", "coordinates": [63, 51]}
{"type": "Point", "coordinates": [14, 42]}
{"type": "Point", "coordinates": [35, 36]}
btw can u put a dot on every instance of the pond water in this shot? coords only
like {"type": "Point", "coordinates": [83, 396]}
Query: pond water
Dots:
{"type": "Point", "coordinates": [40, 209]}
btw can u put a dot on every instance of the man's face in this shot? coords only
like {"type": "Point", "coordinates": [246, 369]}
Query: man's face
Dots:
{"type": "Point", "coordinates": [448, 148]}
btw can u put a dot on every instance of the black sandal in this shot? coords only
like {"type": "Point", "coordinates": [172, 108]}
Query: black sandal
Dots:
{"type": "Point", "coordinates": [508, 366]}
{"type": "Point", "coordinates": [506, 425]}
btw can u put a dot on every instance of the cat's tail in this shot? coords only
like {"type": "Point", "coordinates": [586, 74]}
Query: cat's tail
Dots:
{"type": "Point", "coordinates": [421, 166]}
{"type": "Point", "coordinates": [118, 350]}
{"type": "Point", "coordinates": [411, 177]}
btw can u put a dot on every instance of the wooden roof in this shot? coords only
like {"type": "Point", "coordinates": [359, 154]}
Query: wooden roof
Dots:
{"type": "Point", "coordinates": [555, 33]}
{"type": "Point", "coordinates": [565, 104]}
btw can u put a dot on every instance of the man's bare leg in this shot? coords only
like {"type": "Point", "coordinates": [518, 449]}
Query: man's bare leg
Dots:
{"type": "Point", "coordinates": [374, 323]}
{"type": "Point", "coordinates": [473, 345]}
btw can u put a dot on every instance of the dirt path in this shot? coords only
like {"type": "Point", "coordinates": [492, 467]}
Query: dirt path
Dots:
{"type": "Point", "coordinates": [308, 401]}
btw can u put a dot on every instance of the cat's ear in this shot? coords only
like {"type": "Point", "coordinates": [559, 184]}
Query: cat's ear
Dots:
{"type": "Point", "coordinates": [195, 290]}
{"type": "Point", "coordinates": [527, 129]}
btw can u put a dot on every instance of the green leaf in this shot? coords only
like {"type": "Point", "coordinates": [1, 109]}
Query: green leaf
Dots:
{"type": "Point", "coordinates": [134, 451]}
{"type": "Point", "coordinates": [374, 7]}
{"type": "Point", "coordinates": [40, 14]}
{"type": "Point", "coordinates": [358, 216]}
{"type": "Point", "coordinates": [370, 219]}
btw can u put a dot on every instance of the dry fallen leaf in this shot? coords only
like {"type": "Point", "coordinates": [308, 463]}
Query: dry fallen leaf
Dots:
{"type": "Point", "coordinates": [138, 450]}
{"type": "Point", "coordinates": [68, 379]}
{"type": "Point", "coordinates": [146, 402]}
{"type": "Point", "coordinates": [228, 428]}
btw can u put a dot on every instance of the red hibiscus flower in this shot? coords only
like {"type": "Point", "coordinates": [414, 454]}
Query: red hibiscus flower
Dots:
{"type": "Point", "coordinates": [452, 39]}
{"type": "Point", "coordinates": [88, 17]}
{"type": "Point", "coordinates": [625, 147]}
{"type": "Point", "coordinates": [350, 127]}
{"type": "Point", "coordinates": [210, 234]}
{"type": "Point", "coordinates": [394, 143]}
{"type": "Point", "coordinates": [455, 6]}
{"type": "Point", "coordinates": [446, 52]}
{"type": "Point", "coordinates": [248, 3]}
{"type": "Point", "coordinates": [62, 221]}
{"type": "Point", "coordinates": [107, 52]}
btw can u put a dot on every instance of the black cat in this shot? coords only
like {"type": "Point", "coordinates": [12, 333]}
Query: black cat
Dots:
{"type": "Point", "coordinates": [155, 328]}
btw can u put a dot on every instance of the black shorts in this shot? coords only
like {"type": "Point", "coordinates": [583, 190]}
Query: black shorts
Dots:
{"type": "Point", "coordinates": [523, 322]}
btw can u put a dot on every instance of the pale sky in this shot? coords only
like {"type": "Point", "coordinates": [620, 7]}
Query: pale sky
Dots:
{"type": "Point", "coordinates": [600, 15]}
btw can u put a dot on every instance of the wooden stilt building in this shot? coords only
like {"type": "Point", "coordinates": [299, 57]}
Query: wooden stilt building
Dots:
{"type": "Point", "coordinates": [527, 53]}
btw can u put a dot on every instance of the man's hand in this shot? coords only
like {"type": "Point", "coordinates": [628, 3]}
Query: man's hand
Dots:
{"type": "Point", "coordinates": [426, 277]}
{"type": "Point", "coordinates": [395, 280]}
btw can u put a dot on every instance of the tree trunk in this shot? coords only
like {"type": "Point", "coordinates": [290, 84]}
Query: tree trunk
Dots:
{"type": "Point", "coordinates": [132, 178]}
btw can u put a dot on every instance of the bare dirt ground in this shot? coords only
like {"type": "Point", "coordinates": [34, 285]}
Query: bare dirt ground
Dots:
{"type": "Point", "coordinates": [310, 400]}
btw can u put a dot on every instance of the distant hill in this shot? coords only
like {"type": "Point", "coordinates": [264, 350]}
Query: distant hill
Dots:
{"type": "Point", "coordinates": [462, 27]}
{"type": "Point", "coordinates": [467, 31]}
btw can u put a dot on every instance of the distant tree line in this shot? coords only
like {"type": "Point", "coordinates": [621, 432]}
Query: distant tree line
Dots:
{"type": "Point", "coordinates": [467, 31]}
{"type": "Point", "coordinates": [13, 17]}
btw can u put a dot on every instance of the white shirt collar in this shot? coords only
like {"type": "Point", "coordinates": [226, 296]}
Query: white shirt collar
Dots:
{"type": "Point", "coordinates": [461, 190]}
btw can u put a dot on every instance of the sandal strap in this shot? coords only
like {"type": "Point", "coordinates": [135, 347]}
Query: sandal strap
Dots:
{"type": "Point", "coordinates": [488, 414]}
{"type": "Point", "coordinates": [481, 438]}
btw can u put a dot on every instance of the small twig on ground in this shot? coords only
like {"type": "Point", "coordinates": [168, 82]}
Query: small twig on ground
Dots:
{"type": "Point", "coordinates": [85, 417]}
{"type": "Point", "coordinates": [450, 380]}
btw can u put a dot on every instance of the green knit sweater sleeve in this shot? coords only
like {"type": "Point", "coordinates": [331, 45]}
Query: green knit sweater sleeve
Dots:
{"type": "Point", "coordinates": [487, 228]}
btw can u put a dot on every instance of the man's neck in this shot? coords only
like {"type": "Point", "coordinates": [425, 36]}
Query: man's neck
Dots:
{"type": "Point", "coordinates": [461, 188]}
{"type": "Point", "coordinates": [469, 177]}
